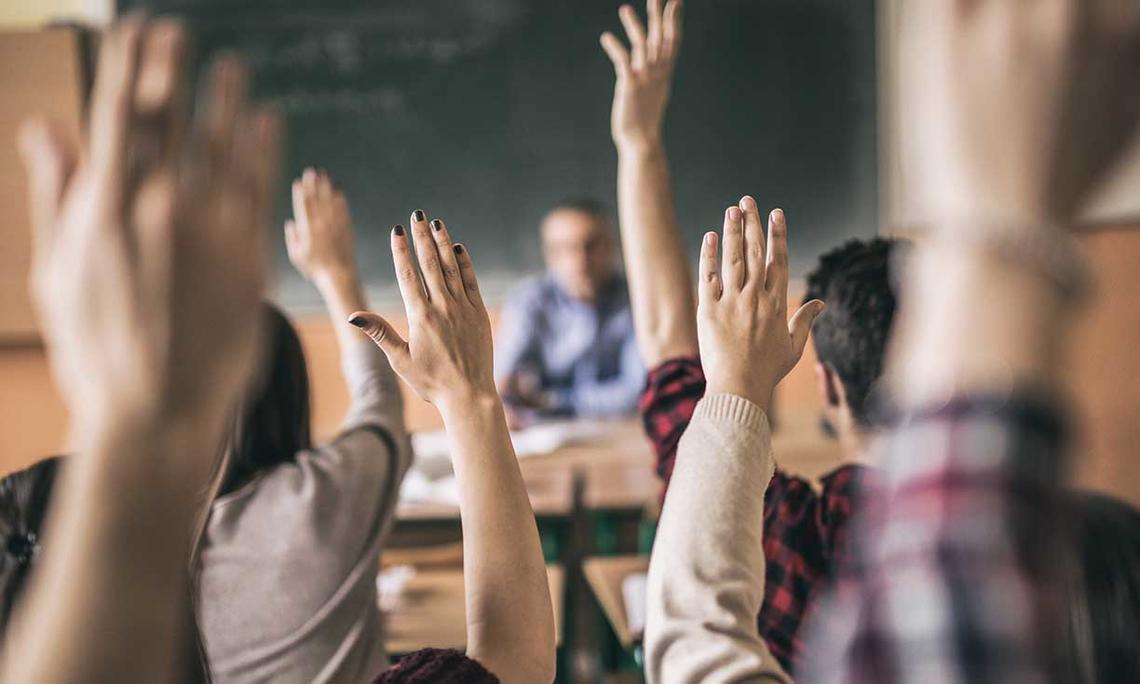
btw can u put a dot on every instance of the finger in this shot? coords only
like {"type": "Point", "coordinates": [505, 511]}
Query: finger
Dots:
{"type": "Point", "coordinates": [617, 53]}
{"type": "Point", "coordinates": [635, 33]}
{"type": "Point", "coordinates": [653, 38]}
{"type": "Point", "coordinates": [407, 275]}
{"type": "Point", "coordinates": [111, 103]}
{"type": "Point", "coordinates": [733, 272]}
{"type": "Point", "coordinates": [709, 289]}
{"type": "Point", "coordinates": [49, 163]}
{"type": "Point", "coordinates": [292, 238]}
{"type": "Point", "coordinates": [154, 220]}
{"type": "Point", "coordinates": [428, 256]}
{"type": "Point", "coordinates": [671, 29]}
{"type": "Point", "coordinates": [467, 273]}
{"type": "Point", "coordinates": [160, 92]}
{"type": "Point", "coordinates": [447, 258]}
{"type": "Point", "coordinates": [324, 185]}
{"type": "Point", "coordinates": [300, 205]}
{"type": "Point", "coordinates": [800, 325]}
{"type": "Point", "coordinates": [228, 84]}
{"type": "Point", "coordinates": [776, 277]}
{"type": "Point", "coordinates": [264, 164]}
{"type": "Point", "coordinates": [753, 240]}
{"type": "Point", "coordinates": [384, 335]}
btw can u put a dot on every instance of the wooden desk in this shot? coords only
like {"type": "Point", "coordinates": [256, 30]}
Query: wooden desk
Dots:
{"type": "Point", "coordinates": [432, 612]}
{"type": "Point", "coordinates": [551, 495]}
{"type": "Point", "coordinates": [605, 576]}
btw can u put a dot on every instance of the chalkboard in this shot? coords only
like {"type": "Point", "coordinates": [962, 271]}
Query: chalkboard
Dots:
{"type": "Point", "coordinates": [485, 112]}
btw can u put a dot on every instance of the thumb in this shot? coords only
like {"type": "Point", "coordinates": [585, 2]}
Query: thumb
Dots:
{"type": "Point", "coordinates": [800, 325]}
{"type": "Point", "coordinates": [48, 163]}
{"type": "Point", "coordinates": [383, 334]}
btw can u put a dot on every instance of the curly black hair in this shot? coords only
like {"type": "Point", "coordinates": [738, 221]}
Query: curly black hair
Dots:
{"type": "Point", "coordinates": [851, 334]}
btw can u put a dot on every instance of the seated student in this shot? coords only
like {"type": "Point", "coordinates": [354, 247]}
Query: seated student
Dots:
{"type": "Point", "coordinates": [143, 421]}
{"type": "Point", "coordinates": [565, 343]}
{"type": "Point", "coordinates": [956, 575]}
{"type": "Point", "coordinates": [706, 574]}
{"type": "Point", "coordinates": [320, 511]}
{"type": "Point", "coordinates": [805, 533]}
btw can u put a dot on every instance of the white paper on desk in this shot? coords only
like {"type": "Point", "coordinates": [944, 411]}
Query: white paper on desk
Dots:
{"type": "Point", "coordinates": [633, 594]}
{"type": "Point", "coordinates": [433, 451]}
{"type": "Point", "coordinates": [419, 488]}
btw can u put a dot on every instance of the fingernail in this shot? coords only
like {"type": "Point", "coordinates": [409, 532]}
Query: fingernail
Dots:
{"type": "Point", "coordinates": [734, 213]}
{"type": "Point", "coordinates": [398, 230]}
{"type": "Point", "coordinates": [458, 249]}
{"type": "Point", "coordinates": [436, 225]}
{"type": "Point", "coordinates": [710, 238]}
{"type": "Point", "coordinates": [418, 215]}
{"type": "Point", "coordinates": [358, 321]}
{"type": "Point", "coordinates": [777, 215]}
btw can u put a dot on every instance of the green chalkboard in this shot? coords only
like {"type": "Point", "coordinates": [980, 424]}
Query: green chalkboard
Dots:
{"type": "Point", "coordinates": [485, 112]}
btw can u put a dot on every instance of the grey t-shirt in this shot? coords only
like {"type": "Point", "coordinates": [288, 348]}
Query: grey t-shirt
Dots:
{"type": "Point", "coordinates": [289, 564]}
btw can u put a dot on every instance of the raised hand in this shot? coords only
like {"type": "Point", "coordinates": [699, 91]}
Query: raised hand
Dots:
{"type": "Point", "coordinates": [1015, 108]}
{"type": "Point", "coordinates": [149, 263]}
{"type": "Point", "coordinates": [447, 357]}
{"type": "Point", "coordinates": [319, 239]}
{"type": "Point", "coordinates": [644, 71]}
{"type": "Point", "coordinates": [746, 341]}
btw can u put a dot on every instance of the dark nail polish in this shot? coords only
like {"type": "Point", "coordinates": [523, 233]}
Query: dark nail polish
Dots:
{"type": "Point", "coordinates": [358, 321]}
{"type": "Point", "coordinates": [418, 215]}
{"type": "Point", "coordinates": [398, 230]}
{"type": "Point", "coordinates": [436, 225]}
{"type": "Point", "coordinates": [458, 249]}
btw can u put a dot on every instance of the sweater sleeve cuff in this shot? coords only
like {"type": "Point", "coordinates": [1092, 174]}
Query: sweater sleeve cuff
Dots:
{"type": "Point", "coordinates": [735, 409]}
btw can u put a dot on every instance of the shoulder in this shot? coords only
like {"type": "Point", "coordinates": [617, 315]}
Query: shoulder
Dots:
{"type": "Point", "coordinates": [439, 666]}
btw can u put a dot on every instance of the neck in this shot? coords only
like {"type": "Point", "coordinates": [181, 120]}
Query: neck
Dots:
{"type": "Point", "coordinates": [854, 445]}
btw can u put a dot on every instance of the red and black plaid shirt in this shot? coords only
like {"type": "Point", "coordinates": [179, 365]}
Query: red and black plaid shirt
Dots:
{"type": "Point", "coordinates": [805, 533]}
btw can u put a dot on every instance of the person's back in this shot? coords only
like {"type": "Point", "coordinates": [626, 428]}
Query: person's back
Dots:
{"type": "Point", "coordinates": [290, 552]}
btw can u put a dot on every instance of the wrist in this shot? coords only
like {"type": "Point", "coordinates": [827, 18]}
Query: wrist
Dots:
{"type": "Point", "coordinates": [639, 146]}
{"type": "Point", "coordinates": [761, 398]}
{"type": "Point", "coordinates": [469, 401]}
{"type": "Point", "coordinates": [336, 277]}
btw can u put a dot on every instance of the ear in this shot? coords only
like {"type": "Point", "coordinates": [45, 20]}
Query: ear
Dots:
{"type": "Point", "coordinates": [827, 382]}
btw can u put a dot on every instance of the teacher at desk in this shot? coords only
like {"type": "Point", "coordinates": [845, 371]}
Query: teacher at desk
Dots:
{"type": "Point", "coordinates": [565, 344]}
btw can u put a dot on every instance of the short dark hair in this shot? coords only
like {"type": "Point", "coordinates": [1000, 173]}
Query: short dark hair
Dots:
{"type": "Point", "coordinates": [851, 334]}
{"type": "Point", "coordinates": [586, 205]}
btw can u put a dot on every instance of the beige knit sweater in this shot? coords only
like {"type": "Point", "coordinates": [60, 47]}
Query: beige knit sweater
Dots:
{"type": "Point", "coordinates": [706, 575]}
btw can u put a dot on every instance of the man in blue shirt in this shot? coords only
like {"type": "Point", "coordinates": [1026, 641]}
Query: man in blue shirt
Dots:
{"type": "Point", "coordinates": [565, 346]}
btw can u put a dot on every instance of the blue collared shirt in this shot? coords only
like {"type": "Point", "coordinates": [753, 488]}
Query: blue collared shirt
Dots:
{"type": "Point", "coordinates": [583, 354]}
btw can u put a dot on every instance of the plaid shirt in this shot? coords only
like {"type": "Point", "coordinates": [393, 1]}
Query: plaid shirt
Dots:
{"type": "Point", "coordinates": [805, 533]}
{"type": "Point", "coordinates": [953, 573]}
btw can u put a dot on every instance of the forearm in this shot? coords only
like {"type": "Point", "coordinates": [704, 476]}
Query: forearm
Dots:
{"type": "Point", "coordinates": [116, 565]}
{"type": "Point", "coordinates": [656, 261]}
{"type": "Point", "coordinates": [974, 324]}
{"type": "Point", "coordinates": [510, 621]}
{"type": "Point", "coordinates": [706, 576]}
{"type": "Point", "coordinates": [343, 293]}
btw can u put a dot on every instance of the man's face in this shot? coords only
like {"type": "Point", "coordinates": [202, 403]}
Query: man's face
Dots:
{"type": "Point", "coordinates": [579, 252]}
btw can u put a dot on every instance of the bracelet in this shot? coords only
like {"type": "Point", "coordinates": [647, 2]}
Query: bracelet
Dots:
{"type": "Point", "coordinates": [1051, 250]}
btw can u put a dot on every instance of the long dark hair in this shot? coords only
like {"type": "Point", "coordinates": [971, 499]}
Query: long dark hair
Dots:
{"type": "Point", "coordinates": [272, 424]}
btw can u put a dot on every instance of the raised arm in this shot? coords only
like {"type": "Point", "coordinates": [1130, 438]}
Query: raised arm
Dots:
{"type": "Point", "coordinates": [447, 360]}
{"type": "Point", "coordinates": [656, 262]}
{"type": "Point", "coordinates": [321, 247]}
{"type": "Point", "coordinates": [148, 286]}
{"type": "Point", "coordinates": [706, 575]}
{"type": "Point", "coordinates": [1017, 108]}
